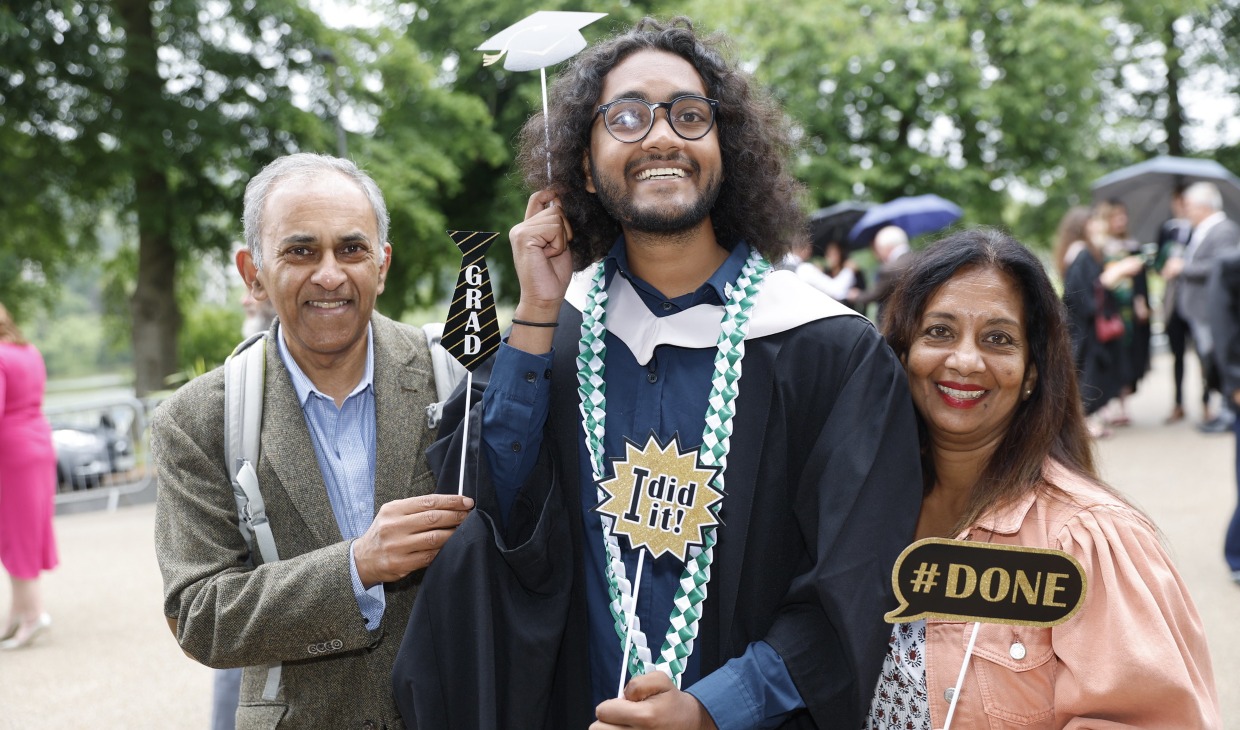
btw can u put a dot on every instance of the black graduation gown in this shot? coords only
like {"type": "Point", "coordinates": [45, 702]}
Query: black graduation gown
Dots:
{"type": "Point", "coordinates": [1099, 364]}
{"type": "Point", "coordinates": [824, 487]}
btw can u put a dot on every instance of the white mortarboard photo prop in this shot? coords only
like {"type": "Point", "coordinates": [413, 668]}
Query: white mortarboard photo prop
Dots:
{"type": "Point", "coordinates": [536, 42]}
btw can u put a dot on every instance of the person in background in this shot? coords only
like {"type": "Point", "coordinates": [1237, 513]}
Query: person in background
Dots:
{"type": "Point", "coordinates": [1224, 297]}
{"type": "Point", "coordinates": [258, 314]}
{"type": "Point", "coordinates": [836, 262]}
{"type": "Point", "coordinates": [1213, 235]}
{"type": "Point", "coordinates": [27, 485]}
{"type": "Point", "coordinates": [892, 249]}
{"type": "Point", "coordinates": [837, 284]}
{"type": "Point", "coordinates": [1132, 296]}
{"type": "Point", "coordinates": [1088, 288]}
{"type": "Point", "coordinates": [1172, 237]}
{"type": "Point", "coordinates": [341, 467]}
{"type": "Point", "coordinates": [1007, 461]}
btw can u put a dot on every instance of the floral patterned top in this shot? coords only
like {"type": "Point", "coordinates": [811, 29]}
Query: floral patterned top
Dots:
{"type": "Point", "coordinates": [900, 701]}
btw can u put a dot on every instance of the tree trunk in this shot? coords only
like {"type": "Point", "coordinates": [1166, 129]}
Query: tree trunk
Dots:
{"type": "Point", "coordinates": [156, 318]}
{"type": "Point", "coordinates": [1173, 125]}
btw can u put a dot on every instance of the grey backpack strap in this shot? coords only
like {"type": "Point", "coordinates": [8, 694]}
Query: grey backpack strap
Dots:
{"type": "Point", "coordinates": [244, 380]}
{"type": "Point", "coordinates": [448, 372]}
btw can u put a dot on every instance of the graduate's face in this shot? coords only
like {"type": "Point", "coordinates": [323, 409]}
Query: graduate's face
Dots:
{"type": "Point", "coordinates": [969, 361]}
{"type": "Point", "coordinates": [662, 183]}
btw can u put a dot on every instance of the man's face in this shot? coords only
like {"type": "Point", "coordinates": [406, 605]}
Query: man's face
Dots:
{"type": "Point", "coordinates": [1195, 212]}
{"type": "Point", "coordinates": [664, 183]}
{"type": "Point", "coordinates": [321, 269]}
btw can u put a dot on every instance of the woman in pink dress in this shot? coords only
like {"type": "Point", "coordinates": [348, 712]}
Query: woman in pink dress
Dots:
{"type": "Point", "coordinates": [27, 484]}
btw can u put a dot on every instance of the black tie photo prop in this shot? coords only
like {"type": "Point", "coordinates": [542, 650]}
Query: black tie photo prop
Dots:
{"type": "Point", "coordinates": [471, 332]}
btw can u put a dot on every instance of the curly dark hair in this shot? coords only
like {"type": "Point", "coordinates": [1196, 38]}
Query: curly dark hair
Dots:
{"type": "Point", "coordinates": [759, 200]}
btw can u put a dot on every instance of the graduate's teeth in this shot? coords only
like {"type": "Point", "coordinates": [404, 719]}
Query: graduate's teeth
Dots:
{"type": "Point", "coordinates": [660, 172]}
{"type": "Point", "coordinates": [328, 305]}
{"type": "Point", "coordinates": [962, 394]}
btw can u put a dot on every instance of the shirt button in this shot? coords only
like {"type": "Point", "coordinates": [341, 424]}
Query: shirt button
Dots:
{"type": "Point", "coordinates": [667, 306]}
{"type": "Point", "coordinates": [547, 374]}
{"type": "Point", "coordinates": [652, 378]}
{"type": "Point", "coordinates": [530, 377]}
{"type": "Point", "coordinates": [516, 446]}
{"type": "Point", "coordinates": [949, 694]}
{"type": "Point", "coordinates": [1017, 651]}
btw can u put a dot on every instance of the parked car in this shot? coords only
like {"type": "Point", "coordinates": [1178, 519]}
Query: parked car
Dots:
{"type": "Point", "coordinates": [86, 454]}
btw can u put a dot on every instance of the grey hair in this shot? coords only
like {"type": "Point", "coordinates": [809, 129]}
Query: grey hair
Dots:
{"type": "Point", "coordinates": [302, 165]}
{"type": "Point", "coordinates": [1204, 194]}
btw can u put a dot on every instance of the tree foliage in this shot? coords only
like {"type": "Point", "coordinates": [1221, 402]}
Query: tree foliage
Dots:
{"type": "Point", "coordinates": [164, 108]}
{"type": "Point", "coordinates": [159, 111]}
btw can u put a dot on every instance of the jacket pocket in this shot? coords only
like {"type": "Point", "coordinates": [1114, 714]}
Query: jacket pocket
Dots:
{"type": "Point", "coordinates": [1015, 668]}
{"type": "Point", "coordinates": [260, 717]}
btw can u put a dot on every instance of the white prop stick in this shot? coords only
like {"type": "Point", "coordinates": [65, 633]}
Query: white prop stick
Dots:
{"type": "Point", "coordinates": [469, 391]}
{"type": "Point", "coordinates": [968, 652]}
{"type": "Point", "coordinates": [628, 628]}
{"type": "Point", "coordinates": [546, 121]}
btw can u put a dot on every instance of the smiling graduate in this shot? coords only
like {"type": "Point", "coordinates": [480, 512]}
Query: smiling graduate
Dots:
{"type": "Point", "coordinates": [669, 197]}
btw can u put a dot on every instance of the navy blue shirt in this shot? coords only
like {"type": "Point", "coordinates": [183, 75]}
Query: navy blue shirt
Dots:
{"type": "Point", "coordinates": [669, 396]}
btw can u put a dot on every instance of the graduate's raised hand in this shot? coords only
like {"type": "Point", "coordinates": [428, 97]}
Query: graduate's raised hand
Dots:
{"type": "Point", "coordinates": [650, 702]}
{"type": "Point", "coordinates": [544, 268]}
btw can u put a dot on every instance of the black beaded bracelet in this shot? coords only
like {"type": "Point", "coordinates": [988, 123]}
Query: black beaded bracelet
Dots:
{"type": "Point", "coordinates": [527, 323]}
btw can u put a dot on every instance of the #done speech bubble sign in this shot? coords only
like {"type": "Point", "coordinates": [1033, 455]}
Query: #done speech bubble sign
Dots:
{"type": "Point", "coordinates": [969, 581]}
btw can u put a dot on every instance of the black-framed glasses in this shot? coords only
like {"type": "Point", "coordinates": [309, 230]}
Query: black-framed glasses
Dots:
{"type": "Point", "coordinates": [630, 120]}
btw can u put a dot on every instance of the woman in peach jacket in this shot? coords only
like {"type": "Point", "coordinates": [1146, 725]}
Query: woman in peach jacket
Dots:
{"type": "Point", "coordinates": [1007, 460]}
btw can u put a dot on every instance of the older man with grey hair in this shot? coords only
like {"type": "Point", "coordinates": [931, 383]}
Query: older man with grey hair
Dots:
{"type": "Point", "coordinates": [1213, 236]}
{"type": "Point", "coordinates": [894, 254]}
{"type": "Point", "coordinates": [341, 468]}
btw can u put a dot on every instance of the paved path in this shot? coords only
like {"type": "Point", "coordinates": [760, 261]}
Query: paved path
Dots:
{"type": "Point", "coordinates": [110, 662]}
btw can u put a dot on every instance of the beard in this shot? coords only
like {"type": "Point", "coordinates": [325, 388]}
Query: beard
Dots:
{"type": "Point", "coordinates": [655, 219]}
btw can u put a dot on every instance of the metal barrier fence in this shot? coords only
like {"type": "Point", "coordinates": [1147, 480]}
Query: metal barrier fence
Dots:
{"type": "Point", "coordinates": [101, 449]}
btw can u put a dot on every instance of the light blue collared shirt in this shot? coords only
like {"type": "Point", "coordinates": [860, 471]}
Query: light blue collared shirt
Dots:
{"type": "Point", "coordinates": [344, 445]}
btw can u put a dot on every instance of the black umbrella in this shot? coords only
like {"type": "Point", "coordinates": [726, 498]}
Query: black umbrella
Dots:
{"type": "Point", "coordinates": [832, 224]}
{"type": "Point", "coordinates": [1146, 189]}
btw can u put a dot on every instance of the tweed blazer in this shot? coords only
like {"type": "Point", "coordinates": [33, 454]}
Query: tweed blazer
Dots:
{"type": "Point", "coordinates": [301, 610]}
{"type": "Point", "coordinates": [1222, 239]}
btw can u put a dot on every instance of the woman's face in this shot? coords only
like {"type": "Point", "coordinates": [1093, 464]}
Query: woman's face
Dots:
{"type": "Point", "coordinates": [969, 362]}
{"type": "Point", "coordinates": [1119, 221]}
{"type": "Point", "coordinates": [1096, 230]}
{"type": "Point", "coordinates": [833, 256]}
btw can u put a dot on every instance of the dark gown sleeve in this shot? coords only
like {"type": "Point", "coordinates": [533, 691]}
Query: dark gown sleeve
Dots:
{"type": "Point", "coordinates": [858, 493]}
{"type": "Point", "coordinates": [480, 648]}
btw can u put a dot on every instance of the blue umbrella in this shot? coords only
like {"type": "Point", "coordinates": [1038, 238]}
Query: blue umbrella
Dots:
{"type": "Point", "coordinates": [1146, 189]}
{"type": "Point", "coordinates": [916, 214]}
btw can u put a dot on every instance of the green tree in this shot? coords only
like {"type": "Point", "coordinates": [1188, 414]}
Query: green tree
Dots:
{"type": "Point", "coordinates": [162, 109]}
{"type": "Point", "coordinates": [967, 99]}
